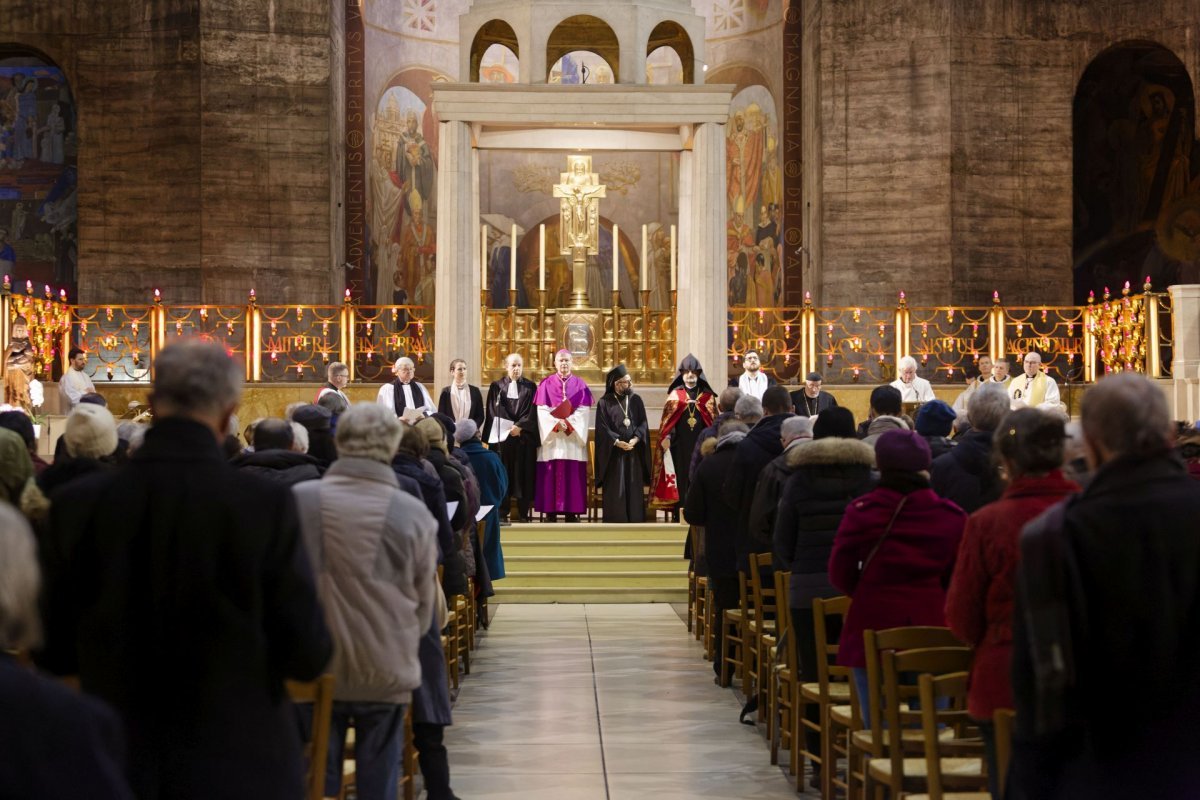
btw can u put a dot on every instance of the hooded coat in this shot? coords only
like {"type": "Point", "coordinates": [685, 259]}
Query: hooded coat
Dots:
{"type": "Point", "coordinates": [754, 452]}
{"type": "Point", "coordinates": [706, 505]}
{"type": "Point", "coordinates": [281, 466]}
{"type": "Point", "coordinates": [686, 413]}
{"type": "Point", "coordinates": [967, 474]}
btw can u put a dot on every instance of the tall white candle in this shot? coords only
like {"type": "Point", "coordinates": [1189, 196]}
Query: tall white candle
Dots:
{"type": "Point", "coordinates": [645, 233]}
{"type": "Point", "coordinates": [674, 258]}
{"type": "Point", "coordinates": [512, 260]}
{"type": "Point", "coordinates": [616, 245]}
{"type": "Point", "coordinates": [542, 258]}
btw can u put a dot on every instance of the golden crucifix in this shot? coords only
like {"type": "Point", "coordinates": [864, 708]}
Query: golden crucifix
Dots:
{"type": "Point", "coordinates": [579, 222]}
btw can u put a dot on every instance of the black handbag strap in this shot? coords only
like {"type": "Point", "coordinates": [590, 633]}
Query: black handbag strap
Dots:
{"type": "Point", "coordinates": [886, 531]}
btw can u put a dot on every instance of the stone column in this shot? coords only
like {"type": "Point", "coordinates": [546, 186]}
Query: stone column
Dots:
{"type": "Point", "coordinates": [1185, 359]}
{"type": "Point", "coordinates": [703, 290]}
{"type": "Point", "coordinates": [457, 331]}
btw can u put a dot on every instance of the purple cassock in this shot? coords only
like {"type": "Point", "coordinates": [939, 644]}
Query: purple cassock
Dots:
{"type": "Point", "coordinates": [563, 458]}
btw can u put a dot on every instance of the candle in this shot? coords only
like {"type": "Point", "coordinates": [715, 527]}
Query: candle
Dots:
{"type": "Point", "coordinates": [542, 258]}
{"type": "Point", "coordinates": [674, 259]}
{"type": "Point", "coordinates": [512, 260]}
{"type": "Point", "coordinates": [616, 258]}
{"type": "Point", "coordinates": [644, 246]}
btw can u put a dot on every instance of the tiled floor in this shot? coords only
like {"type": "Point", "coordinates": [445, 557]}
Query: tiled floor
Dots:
{"type": "Point", "coordinates": [601, 702]}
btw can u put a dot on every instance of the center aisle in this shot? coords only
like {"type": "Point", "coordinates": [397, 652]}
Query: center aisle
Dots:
{"type": "Point", "coordinates": [590, 702]}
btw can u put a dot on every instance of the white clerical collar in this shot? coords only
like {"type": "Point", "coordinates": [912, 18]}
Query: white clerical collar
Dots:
{"type": "Point", "coordinates": [512, 389]}
{"type": "Point", "coordinates": [408, 395]}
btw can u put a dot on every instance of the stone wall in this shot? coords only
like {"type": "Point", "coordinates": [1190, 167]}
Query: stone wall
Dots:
{"type": "Point", "coordinates": [205, 150]}
{"type": "Point", "coordinates": [944, 163]}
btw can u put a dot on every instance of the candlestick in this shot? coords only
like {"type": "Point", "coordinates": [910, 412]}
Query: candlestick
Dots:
{"type": "Point", "coordinates": [512, 259]}
{"type": "Point", "coordinates": [616, 259]}
{"type": "Point", "coordinates": [645, 233]}
{"type": "Point", "coordinates": [542, 258]}
{"type": "Point", "coordinates": [674, 259]}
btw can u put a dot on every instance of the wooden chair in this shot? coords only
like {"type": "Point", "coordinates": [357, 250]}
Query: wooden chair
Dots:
{"type": "Point", "coordinates": [450, 647]}
{"type": "Point", "coordinates": [735, 639]}
{"type": "Point", "coordinates": [834, 696]}
{"type": "Point", "coordinates": [472, 620]}
{"type": "Point", "coordinates": [781, 722]}
{"type": "Point", "coordinates": [710, 626]}
{"type": "Point", "coordinates": [459, 631]}
{"type": "Point", "coordinates": [873, 740]}
{"type": "Point", "coordinates": [1003, 719]}
{"type": "Point", "coordinates": [316, 749]}
{"type": "Point", "coordinates": [697, 585]}
{"type": "Point", "coordinates": [898, 770]}
{"type": "Point", "coordinates": [763, 633]}
{"type": "Point", "coordinates": [408, 760]}
{"type": "Point", "coordinates": [943, 707]}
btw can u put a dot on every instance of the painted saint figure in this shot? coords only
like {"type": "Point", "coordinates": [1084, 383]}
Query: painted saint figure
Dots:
{"type": "Point", "coordinates": [622, 449]}
{"type": "Point", "coordinates": [691, 407]}
{"type": "Point", "coordinates": [562, 403]}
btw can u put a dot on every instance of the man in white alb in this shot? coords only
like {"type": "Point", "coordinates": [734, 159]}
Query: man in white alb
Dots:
{"type": "Point", "coordinates": [1000, 373]}
{"type": "Point", "coordinates": [1034, 389]}
{"type": "Point", "coordinates": [912, 389]}
{"type": "Point", "coordinates": [408, 398]}
{"type": "Point", "coordinates": [74, 383]}
{"type": "Point", "coordinates": [753, 381]}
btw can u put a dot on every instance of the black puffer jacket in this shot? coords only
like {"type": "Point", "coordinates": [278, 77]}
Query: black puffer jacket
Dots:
{"type": "Point", "coordinates": [706, 506]}
{"type": "Point", "coordinates": [827, 474]}
{"type": "Point", "coordinates": [279, 466]}
{"type": "Point", "coordinates": [967, 475]}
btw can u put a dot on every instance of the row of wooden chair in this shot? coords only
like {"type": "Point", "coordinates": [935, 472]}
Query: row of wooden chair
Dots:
{"type": "Point", "coordinates": [917, 686]}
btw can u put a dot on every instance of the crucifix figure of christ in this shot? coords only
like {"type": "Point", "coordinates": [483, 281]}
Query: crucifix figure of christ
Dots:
{"type": "Point", "coordinates": [580, 191]}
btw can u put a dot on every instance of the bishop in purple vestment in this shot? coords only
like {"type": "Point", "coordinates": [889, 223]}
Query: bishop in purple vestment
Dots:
{"type": "Point", "coordinates": [563, 429]}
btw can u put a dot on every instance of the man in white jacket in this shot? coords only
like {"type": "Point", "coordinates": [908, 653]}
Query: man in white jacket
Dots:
{"type": "Point", "coordinates": [374, 554]}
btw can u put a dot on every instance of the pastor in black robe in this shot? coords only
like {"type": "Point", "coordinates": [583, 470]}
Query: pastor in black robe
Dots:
{"type": "Point", "coordinates": [518, 453]}
{"type": "Point", "coordinates": [623, 474]}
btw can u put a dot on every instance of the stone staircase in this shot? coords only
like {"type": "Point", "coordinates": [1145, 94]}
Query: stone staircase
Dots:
{"type": "Point", "coordinates": [590, 562]}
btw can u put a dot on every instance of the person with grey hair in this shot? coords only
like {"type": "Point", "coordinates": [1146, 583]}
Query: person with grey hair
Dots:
{"type": "Point", "coordinates": [510, 428]}
{"type": "Point", "coordinates": [374, 551]}
{"type": "Point", "coordinates": [913, 389]}
{"type": "Point", "coordinates": [1034, 389]}
{"type": "Point", "coordinates": [726, 405]}
{"type": "Point", "coordinates": [336, 378]}
{"type": "Point", "coordinates": [57, 742]}
{"type": "Point", "coordinates": [196, 577]}
{"type": "Point", "coordinates": [795, 432]}
{"type": "Point", "coordinates": [968, 474]}
{"type": "Point", "coordinates": [749, 409]}
{"type": "Point", "coordinates": [1108, 592]}
{"type": "Point", "coordinates": [405, 395]}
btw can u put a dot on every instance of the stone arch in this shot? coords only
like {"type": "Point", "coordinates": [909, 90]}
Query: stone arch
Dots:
{"type": "Point", "coordinates": [671, 34]}
{"type": "Point", "coordinates": [39, 140]}
{"type": "Point", "coordinates": [495, 31]}
{"type": "Point", "coordinates": [587, 33]}
{"type": "Point", "coordinates": [1136, 170]}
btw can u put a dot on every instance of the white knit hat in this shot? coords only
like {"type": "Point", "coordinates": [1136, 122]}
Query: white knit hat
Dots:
{"type": "Point", "coordinates": [91, 431]}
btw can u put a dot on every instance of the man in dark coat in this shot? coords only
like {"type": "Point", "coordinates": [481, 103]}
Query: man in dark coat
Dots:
{"type": "Point", "coordinates": [811, 400]}
{"type": "Point", "coordinates": [827, 473]}
{"type": "Point", "coordinates": [795, 432]}
{"type": "Point", "coordinates": [493, 484]}
{"type": "Point", "coordinates": [318, 421]}
{"type": "Point", "coordinates": [177, 589]}
{"type": "Point", "coordinates": [934, 422]}
{"type": "Point", "coordinates": [273, 457]}
{"type": "Point", "coordinates": [706, 506]}
{"type": "Point", "coordinates": [761, 445]}
{"type": "Point", "coordinates": [885, 402]}
{"type": "Point", "coordinates": [511, 425]}
{"type": "Point", "coordinates": [461, 400]}
{"type": "Point", "coordinates": [967, 474]}
{"type": "Point", "coordinates": [1108, 595]}
{"type": "Point", "coordinates": [622, 449]}
{"type": "Point", "coordinates": [725, 406]}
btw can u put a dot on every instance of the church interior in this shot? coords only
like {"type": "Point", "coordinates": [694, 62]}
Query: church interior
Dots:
{"type": "Point", "coordinates": [644, 205]}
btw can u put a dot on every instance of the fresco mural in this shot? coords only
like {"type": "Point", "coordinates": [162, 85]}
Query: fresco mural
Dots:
{"type": "Point", "coordinates": [664, 67]}
{"type": "Point", "coordinates": [402, 203]}
{"type": "Point", "coordinates": [1137, 172]}
{"type": "Point", "coordinates": [579, 67]}
{"type": "Point", "coordinates": [38, 176]}
{"type": "Point", "coordinates": [498, 65]}
{"type": "Point", "coordinates": [753, 191]}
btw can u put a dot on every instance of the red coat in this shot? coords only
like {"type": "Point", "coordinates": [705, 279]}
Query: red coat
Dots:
{"type": "Point", "coordinates": [905, 584]}
{"type": "Point", "coordinates": [979, 604]}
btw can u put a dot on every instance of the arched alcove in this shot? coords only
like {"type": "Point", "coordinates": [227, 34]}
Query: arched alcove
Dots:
{"type": "Point", "coordinates": [38, 176]}
{"type": "Point", "coordinates": [493, 32]}
{"type": "Point", "coordinates": [584, 33]}
{"type": "Point", "coordinates": [499, 65]}
{"type": "Point", "coordinates": [671, 35]}
{"type": "Point", "coordinates": [1136, 171]}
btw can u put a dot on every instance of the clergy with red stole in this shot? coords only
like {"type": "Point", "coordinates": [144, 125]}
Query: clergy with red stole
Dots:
{"type": "Point", "coordinates": [691, 407]}
{"type": "Point", "coordinates": [562, 401]}
{"type": "Point", "coordinates": [622, 449]}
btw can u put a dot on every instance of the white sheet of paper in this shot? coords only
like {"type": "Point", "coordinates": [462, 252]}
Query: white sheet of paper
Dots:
{"type": "Point", "coordinates": [451, 507]}
{"type": "Point", "coordinates": [500, 430]}
{"type": "Point", "coordinates": [483, 512]}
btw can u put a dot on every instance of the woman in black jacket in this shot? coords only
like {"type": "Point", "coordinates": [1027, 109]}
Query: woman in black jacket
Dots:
{"type": "Point", "coordinates": [827, 474]}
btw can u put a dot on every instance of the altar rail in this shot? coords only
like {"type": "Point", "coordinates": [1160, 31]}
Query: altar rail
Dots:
{"type": "Point", "coordinates": [863, 345]}
{"type": "Point", "coordinates": [282, 343]}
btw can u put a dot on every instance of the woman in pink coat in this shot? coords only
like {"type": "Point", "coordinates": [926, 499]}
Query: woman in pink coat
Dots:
{"type": "Point", "coordinates": [894, 551]}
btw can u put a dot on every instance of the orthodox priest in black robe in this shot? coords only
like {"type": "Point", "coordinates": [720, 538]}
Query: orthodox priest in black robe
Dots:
{"type": "Point", "coordinates": [511, 428]}
{"type": "Point", "coordinates": [622, 449]}
{"type": "Point", "coordinates": [690, 407]}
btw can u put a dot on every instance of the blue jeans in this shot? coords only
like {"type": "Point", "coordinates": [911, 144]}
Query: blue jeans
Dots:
{"type": "Point", "coordinates": [378, 744]}
{"type": "Point", "coordinates": [864, 701]}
